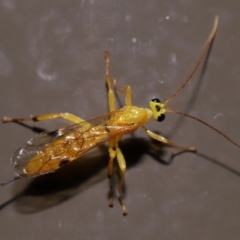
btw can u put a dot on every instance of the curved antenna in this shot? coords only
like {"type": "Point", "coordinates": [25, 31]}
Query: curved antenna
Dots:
{"type": "Point", "coordinates": [206, 47]}
{"type": "Point", "coordinates": [9, 181]}
{"type": "Point", "coordinates": [208, 125]}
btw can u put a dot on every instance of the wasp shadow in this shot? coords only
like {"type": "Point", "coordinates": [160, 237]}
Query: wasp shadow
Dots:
{"type": "Point", "coordinates": [32, 195]}
{"type": "Point", "coordinates": [39, 193]}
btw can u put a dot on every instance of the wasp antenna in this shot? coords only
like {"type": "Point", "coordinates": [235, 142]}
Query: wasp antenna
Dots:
{"type": "Point", "coordinates": [205, 50]}
{"type": "Point", "coordinates": [206, 124]}
{"type": "Point", "coordinates": [9, 181]}
{"type": "Point", "coordinates": [107, 60]}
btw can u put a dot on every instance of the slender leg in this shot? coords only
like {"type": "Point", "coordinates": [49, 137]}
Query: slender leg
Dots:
{"type": "Point", "coordinates": [113, 148]}
{"type": "Point", "coordinates": [166, 141]}
{"type": "Point", "coordinates": [127, 89]}
{"type": "Point", "coordinates": [122, 166]}
{"type": "Point", "coordinates": [111, 96]}
{"type": "Point", "coordinates": [111, 142]}
{"type": "Point", "coordinates": [67, 116]}
{"type": "Point", "coordinates": [112, 154]}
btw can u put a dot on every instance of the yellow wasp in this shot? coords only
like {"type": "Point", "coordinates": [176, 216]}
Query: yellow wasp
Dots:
{"type": "Point", "coordinates": [50, 151]}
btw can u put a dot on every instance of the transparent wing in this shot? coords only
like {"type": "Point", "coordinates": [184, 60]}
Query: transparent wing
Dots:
{"type": "Point", "coordinates": [49, 151]}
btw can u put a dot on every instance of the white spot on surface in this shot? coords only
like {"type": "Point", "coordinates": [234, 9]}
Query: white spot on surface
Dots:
{"type": "Point", "coordinates": [184, 19]}
{"type": "Point", "coordinates": [99, 216]}
{"type": "Point", "coordinates": [161, 81]}
{"type": "Point", "coordinates": [203, 194]}
{"type": "Point", "coordinates": [127, 18]}
{"type": "Point", "coordinates": [33, 47]}
{"type": "Point", "coordinates": [110, 39]}
{"type": "Point", "coordinates": [217, 116]}
{"type": "Point", "coordinates": [134, 40]}
{"type": "Point", "coordinates": [42, 72]}
{"type": "Point", "coordinates": [48, 16]}
{"type": "Point", "coordinates": [60, 223]}
{"type": "Point", "coordinates": [173, 59]}
{"type": "Point", "coordinates": [169, 205]}
{"type": "Point", "coordinates": [63, 31]}
{"type": "Point", "coordinates": [9, 4]}
{"type": "Point", "coordinates": [167, 17]}
{"type": "Point", "coordinates": [5, 65]}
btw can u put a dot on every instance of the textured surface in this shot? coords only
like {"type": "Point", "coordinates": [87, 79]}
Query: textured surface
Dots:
{"type": "Point", "coordinates": [51, 60]}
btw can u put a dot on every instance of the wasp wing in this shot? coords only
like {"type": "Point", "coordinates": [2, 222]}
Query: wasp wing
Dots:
{"type": "Point", "coordinates": [49, 151]}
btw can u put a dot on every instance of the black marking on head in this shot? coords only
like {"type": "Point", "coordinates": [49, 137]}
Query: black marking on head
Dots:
{"type": "Point", "coordinates": [161, 117]}
{"type": "Point", "coordinates": [158, 108]}
{"type": "Point", "coordinates": [64, 162]}
{"type": "Point", "coordinates": [156, 100]}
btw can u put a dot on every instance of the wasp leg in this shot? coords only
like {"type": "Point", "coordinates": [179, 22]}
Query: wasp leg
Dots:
{"type": "Point", "coordinates": [122, 166]}
{"type": "Point", "coordinates": [166, 141]}
{"type": "Point", "coordinates": [115, 151]}
{"type": "Point", "coordinates": [127, 89]}
{"type": "Point", "coordinates": [111, 96]}
{"type": "Point", "coordinates": [111, 142]}
{"type": "Point", "coordinates": [67, 116]}
{"type": "Point", "coordinates": [112, 154]}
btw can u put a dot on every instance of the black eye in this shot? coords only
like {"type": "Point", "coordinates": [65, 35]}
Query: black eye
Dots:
{"type": "Point", "coordinates": [156, 100]}
{"type": "Point", "coordinates": [161, 117]}
{"type": "Point", "coordinates": [158, 108]}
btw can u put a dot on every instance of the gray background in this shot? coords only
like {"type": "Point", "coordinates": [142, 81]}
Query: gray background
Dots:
{"type": "Point", "coordinates": [51, 60]}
